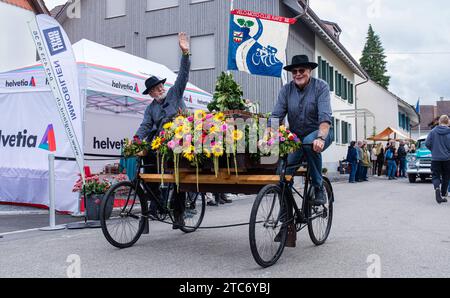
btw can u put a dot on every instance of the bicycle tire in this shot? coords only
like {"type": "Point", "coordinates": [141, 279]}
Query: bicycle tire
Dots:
{"type": "Point", "coordinates": [269, 223]}
{"type": "Point", "coordinates": [193, 217]}
{"type": "Point", "coordinates": [120, 197]}
{"type": "Point", "coordinates": [318, 214]}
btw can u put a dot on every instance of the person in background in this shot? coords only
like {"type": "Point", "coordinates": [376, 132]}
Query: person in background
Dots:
{"type": "Point", "coordinates": [352, 158]}
{"type": "Point", "coordinates": [365, 162]}
{"type": "Point", "coordinates": [380, 158]}
{"type": "Point", "coordinates": [438, 141]}
{"type": "Point", "coordinates": [360, 157]}
{"type": "Point", "coordinates": [412, 148]}
{"type": "Point", "coordinates": [391, 165]}
{"type": "Point", "coordinates": [373, 158]}
{"type": "Point", "coordinates": [402, 159]}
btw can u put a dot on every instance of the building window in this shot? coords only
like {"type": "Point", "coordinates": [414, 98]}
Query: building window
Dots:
{"type": "Point", "coordinates": [331, 76]}
{"type": "Point", "coordinates": [332, 128]}
{"type": "Point", "coordinates": [115, 8]}
{"type": "Point", "coordinates": [164, 50]}
{"type": "Point", "coordinates": [160, 4]}
{"type": "Point", "coordinates": [350, 89]}
{"type": "Point", "coordinates": [338, 131]}
{"type": "Point", "coordinates": [344, 87]}
{"type": "Point", "coordinates": [349, 132]}
{"type": "Point", "coordinates": [203, 52]}
{"type": "Point", "coordinates": [336, 79]}
{"type": "Point", "coordinates": [320, 67]}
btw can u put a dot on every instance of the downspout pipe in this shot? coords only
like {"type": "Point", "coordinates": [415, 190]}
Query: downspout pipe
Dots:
{"type": "Point", "coordinates": [356, 104]}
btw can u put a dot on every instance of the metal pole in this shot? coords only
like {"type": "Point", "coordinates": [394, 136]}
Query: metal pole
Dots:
{"type": "Point", "coordinates": [51, 194]}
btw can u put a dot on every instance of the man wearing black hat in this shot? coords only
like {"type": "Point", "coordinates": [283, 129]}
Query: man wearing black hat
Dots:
{"type": "Point", "coordinates": [306, 102]}
{"type": "Point", "coordinates": [165, 105]}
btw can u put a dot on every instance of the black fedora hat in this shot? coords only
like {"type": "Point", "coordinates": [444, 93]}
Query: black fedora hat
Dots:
{"type": "Point", "coordinates": [300, 61]}
{"type": "Point", "coordinates": [152, 82]}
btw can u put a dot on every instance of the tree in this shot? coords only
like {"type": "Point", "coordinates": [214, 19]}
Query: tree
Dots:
{"type": "Point", "coordinates": [373, 59]}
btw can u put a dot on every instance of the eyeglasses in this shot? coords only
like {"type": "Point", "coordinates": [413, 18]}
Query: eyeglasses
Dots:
{"type": "Point", "coordinates": [299, 71]}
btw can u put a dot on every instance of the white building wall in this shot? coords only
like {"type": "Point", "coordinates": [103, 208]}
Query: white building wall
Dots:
{"type": "Point", "coordinates": [381, 103]}
{"type": "Point", "coordinates": [17, 47]}
{"type": "Point", "coordinates": [337, 151]}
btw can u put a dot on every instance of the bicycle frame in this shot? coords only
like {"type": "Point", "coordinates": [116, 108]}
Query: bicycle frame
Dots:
{"type": "Point", "coordinates": [292, 207]}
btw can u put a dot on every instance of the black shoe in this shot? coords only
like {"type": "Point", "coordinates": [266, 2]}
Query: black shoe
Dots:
{"type": "Point", "coordinates": [211, 203]}
{"type": "Point", "coordinates": [179, 222]}
{"type": "Point", "coordinates": [225, 201]}
{"type": "Point", "coordinates": [439, 199]}
{"type": "Point", "coordinates": [319, 197]}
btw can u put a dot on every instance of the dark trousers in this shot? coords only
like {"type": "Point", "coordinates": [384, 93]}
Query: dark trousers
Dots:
{"type": "Point", "coordinates": [440, 174]}
{"type": "Point", "coordinates": [403, 167]}
{"type": "Point", "coordinates": [380, 163]}
{"type": "Point", "coordinates": [178, 199]}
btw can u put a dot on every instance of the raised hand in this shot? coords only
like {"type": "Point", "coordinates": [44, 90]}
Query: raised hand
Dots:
{"type": "Point", "coordinates": [183, 41]}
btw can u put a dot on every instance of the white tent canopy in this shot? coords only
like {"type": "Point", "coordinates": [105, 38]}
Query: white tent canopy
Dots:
{"type": "Point", "coordinates": [111, 84]}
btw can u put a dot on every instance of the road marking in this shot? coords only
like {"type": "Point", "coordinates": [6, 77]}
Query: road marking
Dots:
{"type": "Point", "coordinates": [18, 232]}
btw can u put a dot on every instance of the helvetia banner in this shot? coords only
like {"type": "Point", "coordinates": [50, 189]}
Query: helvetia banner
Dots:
{"type": "Point", "coordinates": [55, 50]}
{"type": "Point", "coordinates": [257, 42]}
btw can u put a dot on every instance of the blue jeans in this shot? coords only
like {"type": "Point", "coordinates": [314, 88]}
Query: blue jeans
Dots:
{"type": "Point", "coordinates": [392, 168]}
{"type": "Point", "coordinates": [314, 159]}
{"type": "Point", "coordinates": [403, 167]}
{"type": "Point", "coordinates": [352, 177]}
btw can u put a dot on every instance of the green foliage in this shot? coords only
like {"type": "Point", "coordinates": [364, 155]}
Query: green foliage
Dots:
{"type": "Point", "coordinates": [228, 95]}
{"type": "Point", "coordinates": [244, 23]}
{"type": "Point", "coordinates": [373, 59]}
{"type": "Point", "coordinates": [241, 22]}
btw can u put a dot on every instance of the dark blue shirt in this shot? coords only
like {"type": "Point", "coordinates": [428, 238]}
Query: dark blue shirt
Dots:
{"type": "Point", "coordinates": [159, 113]}
{"type": "Point", "coordinates": [306, 109]}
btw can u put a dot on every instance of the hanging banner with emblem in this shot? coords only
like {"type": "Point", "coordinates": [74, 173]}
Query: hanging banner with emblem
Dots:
{"type": "Point", "coordinates": [257, 42]}
{"type": "Point", "coordinates": [55, 50]}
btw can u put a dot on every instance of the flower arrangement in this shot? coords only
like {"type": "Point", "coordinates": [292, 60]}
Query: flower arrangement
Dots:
{"type": "Point", "coordinates": [96, 185]}
{"type": "Point", "coordinates": [201, 136]}
{"type": "Point", "coordinates": [136, 147]}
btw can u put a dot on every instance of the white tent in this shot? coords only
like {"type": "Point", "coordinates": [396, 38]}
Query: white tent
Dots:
{"type": "Point", "coordinates": [111, 83]}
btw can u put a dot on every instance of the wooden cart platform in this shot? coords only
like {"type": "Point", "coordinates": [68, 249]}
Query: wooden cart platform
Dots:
{"type": "Point", "coordinates": [223, 183]}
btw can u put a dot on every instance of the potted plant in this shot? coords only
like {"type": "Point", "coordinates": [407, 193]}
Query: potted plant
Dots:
{"type": "Point", "coordinates": [95, 189]}
{"type": "Point", "coordinates": [135, 147]}
{"type": "Point", "coordinates": [227, 98]}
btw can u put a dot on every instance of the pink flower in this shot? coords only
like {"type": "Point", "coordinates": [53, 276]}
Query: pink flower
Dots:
{"type": "Point", "coordinates": [190, 118]}
{"type": "Point", "coordinates": [224, 127]}
{"type": "Point", "coordinates": [171, 144]}
{"type": "Point", "coordinates": [162, 133]}
{"type": "Point", "coordinates": [282, 139]}
{"type": "Point", "coordinates": [189, 138]}
{"type": "Point", "coordinates": [209, 116]}
{"type": "Point", "coordinates": [270, 142]}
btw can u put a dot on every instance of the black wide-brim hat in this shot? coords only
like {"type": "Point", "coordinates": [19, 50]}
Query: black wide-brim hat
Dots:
{"type": "Point", "coordinates": [152, 82]}
{"type": "Point", "coordinates": [300, 61]}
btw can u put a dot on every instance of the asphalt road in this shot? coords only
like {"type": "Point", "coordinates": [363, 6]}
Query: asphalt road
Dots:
{"type": "Point", "coordinates": [392, 225]}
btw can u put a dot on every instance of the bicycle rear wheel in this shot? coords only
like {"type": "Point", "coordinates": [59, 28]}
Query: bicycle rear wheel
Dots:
{"type": "Point", "coordinates": [121, 215]}
{"type": "Point", "coordinates": [320, 217]}
{"type": "Point", "coordinates": [194, 210]}
{"type": "Point", "coordinates": [266, 224]}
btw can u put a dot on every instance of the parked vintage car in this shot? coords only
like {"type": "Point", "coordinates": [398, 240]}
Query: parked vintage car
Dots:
{"type": "Point", "coordinates": [419, 163]}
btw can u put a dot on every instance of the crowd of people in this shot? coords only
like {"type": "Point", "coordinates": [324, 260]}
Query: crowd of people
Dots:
{"type": "Point", "coordinates": [363, 160]}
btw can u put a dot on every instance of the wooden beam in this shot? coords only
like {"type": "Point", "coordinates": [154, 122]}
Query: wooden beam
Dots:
{"type": "Point", "coordinates": [222, 178]}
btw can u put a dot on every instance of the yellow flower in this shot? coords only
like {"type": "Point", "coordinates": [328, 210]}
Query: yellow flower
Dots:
{"type": "Point", "coordinates": [219, 116]}
{"type": "Point", "coordinates": [189, 153]}
{"type": "Point", "coordinates": [156, 143]}
{"type": "Point", "coordinates": [168, 125]}
{"type": "Point", "coordinates": [207, 152]}
{"type": "Point", "coordinates": [237, 135]}
{"type": "Point", "coordinates": [217, 150]}
{"type": "Point", "coordinates": [186, 129]}
{"type": "Point", "coordinates": [282, 128]}
{"type": "Point", "coordinates": [199, 127]}
{"type": "Point", "coordinates": [199, 115]}
{"type": "Point", "coordinates": [179, 120]}
{"type": "Point", "coordinates": [213, 129]}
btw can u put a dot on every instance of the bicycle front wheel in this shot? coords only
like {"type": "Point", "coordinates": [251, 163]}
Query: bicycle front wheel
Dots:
{"type": "Point", "coordinates": [194, 210]}
{"type": "Point", "coordinates": [320, 217]}
{"type": "Point", "coordinates": [121, 215]}
{"type": "Point", "coordinates": [268, 230]}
